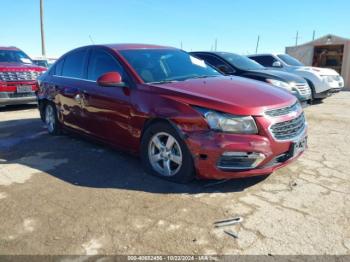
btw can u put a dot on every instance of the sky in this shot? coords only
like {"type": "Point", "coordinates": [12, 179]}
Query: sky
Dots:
{"type": "Point", "coordinates": [196, 24]}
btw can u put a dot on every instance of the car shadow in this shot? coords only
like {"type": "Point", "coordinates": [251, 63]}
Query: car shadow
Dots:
{"type": "Point", "coordinates": [11, 108]}
{"type": "Point", "coordinates": [84, 163]}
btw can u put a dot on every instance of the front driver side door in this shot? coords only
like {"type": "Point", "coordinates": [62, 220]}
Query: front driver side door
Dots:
{"type": "Point", "coordinates": [107, 109]}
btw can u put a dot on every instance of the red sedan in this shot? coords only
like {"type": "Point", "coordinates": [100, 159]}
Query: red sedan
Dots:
{"type": "Point", "coordinates": [182, 116]}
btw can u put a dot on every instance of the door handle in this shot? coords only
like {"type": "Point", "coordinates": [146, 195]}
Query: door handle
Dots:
{"type": "Point", "coordinates": [78, 98]}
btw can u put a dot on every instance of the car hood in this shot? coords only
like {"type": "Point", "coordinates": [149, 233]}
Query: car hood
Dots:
{"type": "Point", "coordinates": [234, 95]}
{"type": "Point", "coordinates": [280, 75]}
{"type": "Point", "coordinates": [318, 70]}
{"type": "Point", "coordinates": [5, 66]}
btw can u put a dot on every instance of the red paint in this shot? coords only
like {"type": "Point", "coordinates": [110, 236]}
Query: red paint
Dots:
{"type": "Point", "coordinates": [11, 86]}
{"type": "Point", "coordinates": [118, 115]}
{"type": "Point", "coordinates": [110, 79]}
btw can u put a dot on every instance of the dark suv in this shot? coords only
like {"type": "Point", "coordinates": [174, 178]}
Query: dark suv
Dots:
{"type": "Point", "coordinates": [238, 65]}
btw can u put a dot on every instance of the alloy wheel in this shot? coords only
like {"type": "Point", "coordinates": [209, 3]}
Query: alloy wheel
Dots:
{"type": "Point", "coordinates": [50, 118]}
{"type": "Point", "coordinates": [165, 154]}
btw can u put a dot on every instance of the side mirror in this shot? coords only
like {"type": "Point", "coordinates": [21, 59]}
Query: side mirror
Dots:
{"type": "Point", "coordinates": [110, 79]}
{"type": "Point", "coordinates": [226, 70]}
{"type": "Point", "coordinates": [277, 64]}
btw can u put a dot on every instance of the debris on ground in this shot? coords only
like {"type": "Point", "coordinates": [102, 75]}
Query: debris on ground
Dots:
{"type": "Point", "coordinates": [228, 222]}
{"type": "Point", "coordinates": [230, 233]}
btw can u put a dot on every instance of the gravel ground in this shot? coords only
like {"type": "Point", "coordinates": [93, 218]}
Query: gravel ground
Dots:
{"type": "Point", "coordinates": [66, 195]}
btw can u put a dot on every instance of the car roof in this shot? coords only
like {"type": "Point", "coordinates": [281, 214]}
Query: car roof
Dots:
{"type": "Point", "coordinates": [119, 47]}
{"type": "Point", "coordinates": [274, 54]}
{"type": "Point", "coordinates": [9, 48]}
{"type": "Point", "coordinates": [218, 53]}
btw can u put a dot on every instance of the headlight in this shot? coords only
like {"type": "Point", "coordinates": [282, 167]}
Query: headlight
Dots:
{"type": "Point", "coordinates": [328, 79]}
{"type": "Point", "coordinates": [281, 84]}
{"type": "Point", "coordinates": [229, 123]}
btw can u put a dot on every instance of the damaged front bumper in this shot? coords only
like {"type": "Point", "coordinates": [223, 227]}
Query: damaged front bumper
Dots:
{"type": "Point", "coordinates": [224, 156]}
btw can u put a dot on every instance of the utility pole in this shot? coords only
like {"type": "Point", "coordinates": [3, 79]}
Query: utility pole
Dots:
{"type": "Point", "coordinates": [43, 49]}
{"type": "Point", "coordinates": [313, 35]}
{"type": "Point", "coordinates": [216, 44]}
{"type": "Point", "coordinates": [92, 41]}
{"type": "Point", "coordinates": [297, 38]}
{"type": "Point", "coordinates": [181, 45]}
{"type": "Point", "coordinates": [257, 45]}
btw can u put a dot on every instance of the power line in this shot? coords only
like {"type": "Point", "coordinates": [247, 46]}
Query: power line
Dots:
{"type": "Point", "coordinates": [92, 41]}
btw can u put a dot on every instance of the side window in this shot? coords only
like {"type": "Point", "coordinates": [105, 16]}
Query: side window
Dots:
{"type": "Point", "coordinates": [73, 65]}
{"type": "Point", "coordinates": [57, 70]}
{"type": "Point", "coordinates": [212, 60]}
{"type": "Point", "coordinates": [100, 63]}
{"type": "Point", "coordinates": [264, 60]}
{"type": "Point", "coordinates": [217, 63]}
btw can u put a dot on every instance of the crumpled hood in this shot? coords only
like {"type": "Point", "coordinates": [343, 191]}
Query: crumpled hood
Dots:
{"type": "Point", "coordinates": [5, 66]}
{"type": "Point", "coordinates": [235, 95]}
{"type": "Point", "coordinates": [318, 70]}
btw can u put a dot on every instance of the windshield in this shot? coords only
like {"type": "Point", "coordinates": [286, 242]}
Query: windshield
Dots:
{"type": "Point", "coordinates": [164, 65]}
{"type": "Point", "coordinates": [241, 62]}
{"type": "Point", "coordinates": [42, 63]}
{"type": "Point", "coordinates": [289, 60]}
{"type": "Point", "coordinates": [14, 56]}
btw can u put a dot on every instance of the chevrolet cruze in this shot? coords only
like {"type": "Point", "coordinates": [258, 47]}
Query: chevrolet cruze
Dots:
{"type": "Point", "coordinates": [180, 115]}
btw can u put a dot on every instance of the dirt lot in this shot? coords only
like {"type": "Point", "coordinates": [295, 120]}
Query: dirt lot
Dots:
{"type": "Point", "coordinates": [64, 195]}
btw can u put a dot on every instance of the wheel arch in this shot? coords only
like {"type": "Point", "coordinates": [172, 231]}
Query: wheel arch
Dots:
{"type": "Point", "coordinates": [41, 105]}
{"type": "Point", "coordinates": [166, 120]}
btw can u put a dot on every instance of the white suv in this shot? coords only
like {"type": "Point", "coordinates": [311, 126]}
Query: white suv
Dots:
{"type": "Point", "coordinates": [323, 81]}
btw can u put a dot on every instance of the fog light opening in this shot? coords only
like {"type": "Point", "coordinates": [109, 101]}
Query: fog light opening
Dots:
{"type": "Point", "coordinates": [240, 160]}
{"type": "Point", "coordinates": [203, 156]}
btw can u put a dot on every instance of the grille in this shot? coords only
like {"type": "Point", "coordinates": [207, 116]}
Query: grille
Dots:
{"type": "Point", "coordinates": [19, 76]}
{"type": "Point", "coordinates": [289, 129]}
{"type": "Point", "coordinates": [303, 89]}
{"type": "Point", "coordinates": [283, 111]}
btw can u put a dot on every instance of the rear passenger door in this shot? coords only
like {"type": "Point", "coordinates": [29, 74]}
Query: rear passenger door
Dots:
{"type": "Point", "coordinates": [69, 83]}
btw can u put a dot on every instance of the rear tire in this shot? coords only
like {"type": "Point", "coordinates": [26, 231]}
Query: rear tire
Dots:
{"type": "Point", "coordinates": [51, 119]}
{"type": "Point", "coordinates": [164, 154]}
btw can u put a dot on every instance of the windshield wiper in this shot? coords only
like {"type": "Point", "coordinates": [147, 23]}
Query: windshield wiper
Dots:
{"type": "Point", "coordinates": [202, 76]}
{"type": "Point", "coordinates": [163, 82]}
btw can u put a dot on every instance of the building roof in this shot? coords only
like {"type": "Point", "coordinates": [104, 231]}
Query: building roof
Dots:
{"type": "Point", "coordinates": [334, 38]}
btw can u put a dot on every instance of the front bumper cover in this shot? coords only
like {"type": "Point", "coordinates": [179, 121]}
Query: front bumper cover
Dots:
{"type": "Point", "coordinates": [208, 147]}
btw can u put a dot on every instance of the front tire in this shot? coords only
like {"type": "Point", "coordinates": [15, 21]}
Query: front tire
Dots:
{"type": "Point", "coordinates": [165, 154]}
{"type": "Point", "coordinates": [51, 119]}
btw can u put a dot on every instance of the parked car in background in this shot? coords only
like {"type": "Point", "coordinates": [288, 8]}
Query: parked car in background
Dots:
{"type": "Point", "coordinates": [44, 62]}
{"type": "Point", "coordinates": [238, 65]}
{"type": "Point", "coordinates": [182, 116]}
{"type": "Point", "coordinates": [322, 81]}
{"type": "Point", "coordinates": [18, 77]}
{"type": "Point", "coordinates": [41, 62]}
